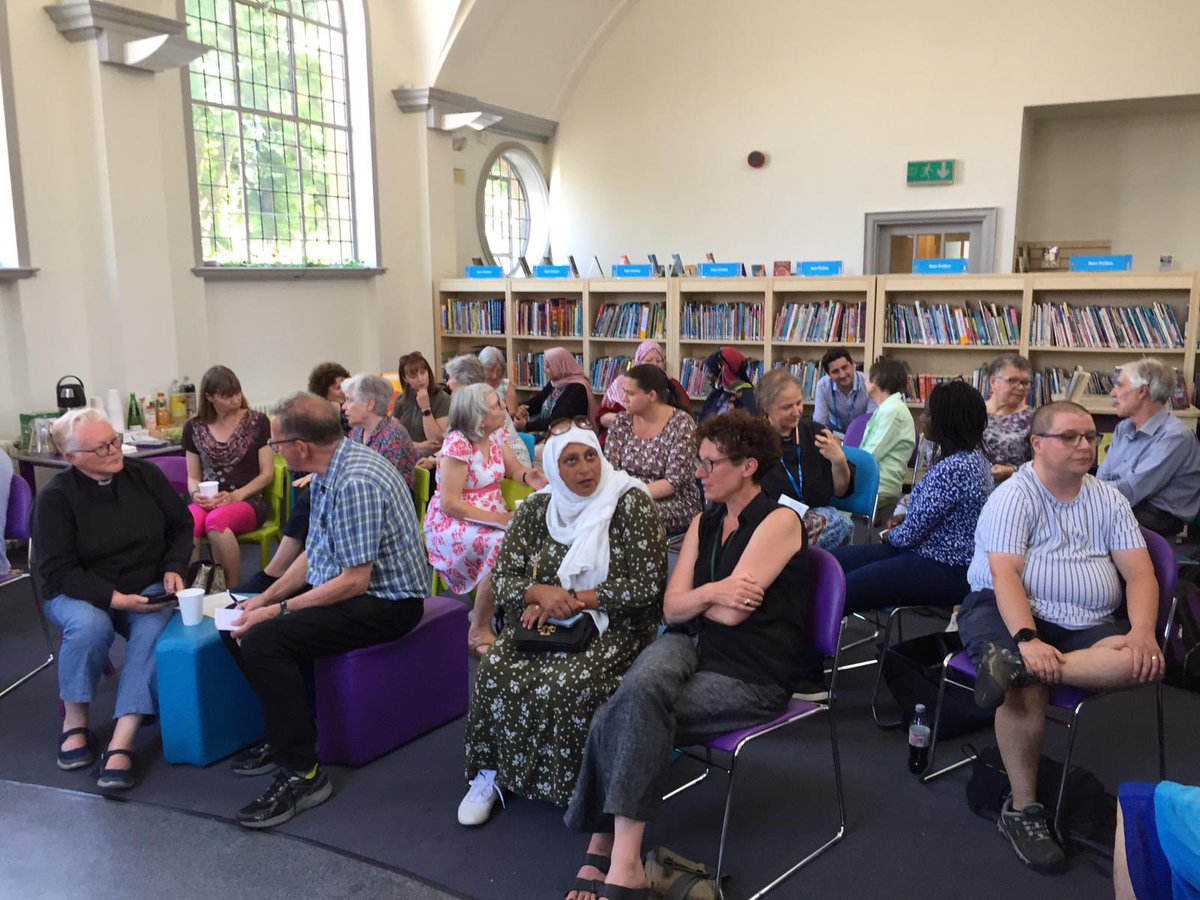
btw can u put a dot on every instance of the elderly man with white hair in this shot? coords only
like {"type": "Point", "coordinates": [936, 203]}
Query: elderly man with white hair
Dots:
{"type": "Point", "coordinates": [1155, 458]}
{"type": "Point", "coordinates": [110, 534]}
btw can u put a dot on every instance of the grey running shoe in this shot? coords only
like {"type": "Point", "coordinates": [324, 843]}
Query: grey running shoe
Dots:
{"type": "Point", "coordinates": [1030, 837]}
{"type": "Point", "coordinates": [998, 670]}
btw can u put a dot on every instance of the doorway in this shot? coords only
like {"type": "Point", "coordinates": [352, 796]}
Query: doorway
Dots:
{"type": "Point", "coordinates": [895, 240]}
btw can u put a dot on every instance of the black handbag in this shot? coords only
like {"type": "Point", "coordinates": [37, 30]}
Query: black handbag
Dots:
{"type": "Point", "coordinates": [551, 638]}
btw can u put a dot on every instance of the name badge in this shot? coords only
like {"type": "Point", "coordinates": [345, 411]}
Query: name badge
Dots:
{"type": "Point", "coordinates": [800, 508]}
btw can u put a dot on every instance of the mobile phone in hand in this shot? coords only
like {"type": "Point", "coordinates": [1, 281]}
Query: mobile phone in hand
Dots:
{"type": "Point", "coordinates": [161, 599]}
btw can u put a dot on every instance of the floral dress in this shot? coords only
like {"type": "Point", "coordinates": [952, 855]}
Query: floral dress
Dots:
{"type": "Point", "coordinates": [464, 552]}
{"type": "Point", "coordinates": [393, 442]}
{"type": "Point", "coordinates": [670, 455]}
{"type": "Point", "coordinates": [1006, 438]}
{"type": "Point", "coordinates": [530, 712]}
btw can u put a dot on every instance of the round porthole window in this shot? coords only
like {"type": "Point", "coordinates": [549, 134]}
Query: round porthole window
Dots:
{"type": "Point", "coordinates": [513, 207]}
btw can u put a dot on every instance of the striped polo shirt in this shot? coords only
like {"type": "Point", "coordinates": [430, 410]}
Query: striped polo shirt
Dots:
{"type": "Point", "coordinates": [1069, 574]}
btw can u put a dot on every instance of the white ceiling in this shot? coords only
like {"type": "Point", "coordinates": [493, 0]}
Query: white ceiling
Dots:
{"type": "Point", "coordinates": [524, 54]}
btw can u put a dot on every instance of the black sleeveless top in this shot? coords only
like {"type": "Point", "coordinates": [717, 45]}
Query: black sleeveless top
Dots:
{"type": "Point", "coordinates": [771, 645]}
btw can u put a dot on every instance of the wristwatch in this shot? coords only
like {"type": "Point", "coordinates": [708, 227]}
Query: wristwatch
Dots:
{"type": "Point", "coordinates": [1025, 634]}
{"type": "Point", "coordinates": [427, 412]}
{"type": "Point", "coordinates": [283, 607]}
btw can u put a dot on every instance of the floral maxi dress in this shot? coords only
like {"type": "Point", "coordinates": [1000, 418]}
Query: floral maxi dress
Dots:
{"type": "Point", "coordinates": [530, 712]}
{"type": "Point", "coordinates": [464, 552]}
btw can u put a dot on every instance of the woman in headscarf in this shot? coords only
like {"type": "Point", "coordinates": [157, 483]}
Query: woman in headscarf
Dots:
{"type": "Point", "coordinates": [731, 384]}
{"type": "Point", "coordinates": [589, 543]}
{"type": "Point", "coordinates": [648, 353]}
{"type": "Point", "coordinates": [567, 394]}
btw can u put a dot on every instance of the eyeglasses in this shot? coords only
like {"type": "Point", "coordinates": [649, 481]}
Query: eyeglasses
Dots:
{"type": "Point", "coordinates": [108, 448]}
{"type": "Point", "coordinates": [562, 426]}
{"type": "Point", "coordinates": [1071, 438]}
{"type": "Point", "coordinates": [1015, 382]}
{"type": "Point", "coordinates": [274, 445]}
{"type": "Point", "coordinates": [709, 464]}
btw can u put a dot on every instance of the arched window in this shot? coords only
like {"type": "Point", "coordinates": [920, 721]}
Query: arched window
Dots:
{"type": "Point", "coordinates": [513, 208]}
{"type": "Point", "coordinates": [280, 124]}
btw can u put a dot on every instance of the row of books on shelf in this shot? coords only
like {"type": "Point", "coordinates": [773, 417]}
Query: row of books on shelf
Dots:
{"type": "Point", "coordinates": [1149, 327]}
{"type": "Point", "coordinates": [721, 321]}
{"type": "Point", "coordinates": [831, 321]}
{"type": "Point", "coordinates": [556, 317]}
{"type": "Point", "coordinates": [988, 325]}
{"type": "Point", "coordinates": [1045, 385]}
{"type": "Point", "coordinates": [696, 381]}
{"type": "Point", "coordinates": [473, 316]}
{"type": "Point", "coordinates": [606, 368]}
{"type": "Point", "coordinates": [631, 320]}
{"type": "Point", "coordinates": [531, 368]}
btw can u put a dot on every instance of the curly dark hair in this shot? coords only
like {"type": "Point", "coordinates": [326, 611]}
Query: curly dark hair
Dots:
{"type": "Point", "coordinates": [832, 355]}
{"type": "Point", "coordinates": [957, 417]}
{"type": "Point", "coordinates": [739, 436]}
{"type": "Point", "coordinates": [323, 376]}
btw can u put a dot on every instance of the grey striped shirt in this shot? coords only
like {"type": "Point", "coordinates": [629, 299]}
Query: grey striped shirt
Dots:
{"type": "Point", "coordinates": [1069, 573]}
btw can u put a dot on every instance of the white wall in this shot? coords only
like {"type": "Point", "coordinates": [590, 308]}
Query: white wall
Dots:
{"type": "Point", "coordinates": [104, 165]}
{"type": "Point", "coordinates": [1132, 179]}
{"type": "Point", "coordinates": [650, 152]}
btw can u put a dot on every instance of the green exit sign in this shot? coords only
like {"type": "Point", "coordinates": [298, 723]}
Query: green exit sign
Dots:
{"type": "Point", "coordinates": [931, 171]}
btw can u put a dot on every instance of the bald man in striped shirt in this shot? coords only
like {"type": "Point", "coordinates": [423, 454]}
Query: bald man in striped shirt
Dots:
{"type": "Point", "coordinates": [1052, 549]}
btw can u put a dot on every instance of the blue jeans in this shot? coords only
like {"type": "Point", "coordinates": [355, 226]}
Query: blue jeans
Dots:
{"type": "Point", "coordinates": [88, 633]}
{"type": "Point", "coordinates": [6, 474]}
{"type": "Point", "coordinates": [880, 576]}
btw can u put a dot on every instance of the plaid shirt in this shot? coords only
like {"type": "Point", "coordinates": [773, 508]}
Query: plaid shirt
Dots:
{"type": "Point", "coordinates": [362, 512]}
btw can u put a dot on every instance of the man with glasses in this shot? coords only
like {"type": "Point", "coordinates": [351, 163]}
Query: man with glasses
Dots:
{"type": "Point", "coordinates": [361, 580]}
{"type": "Point", "coordinates": [1154, 459]}
{"type": "Point", "coordinates": [110, 534]}
{"type": "Point", "coordinates": [1056, 552]}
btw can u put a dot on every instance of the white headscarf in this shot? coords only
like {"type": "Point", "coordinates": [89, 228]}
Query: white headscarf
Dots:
{"type": "Point", "coordinates": [581, 523]}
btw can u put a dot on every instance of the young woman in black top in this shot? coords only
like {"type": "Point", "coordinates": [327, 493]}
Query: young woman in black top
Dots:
{"type": "Point", "coordinates": [737, 607]}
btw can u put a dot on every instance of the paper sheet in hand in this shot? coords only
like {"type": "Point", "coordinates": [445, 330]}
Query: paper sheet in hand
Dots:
{"type": "Point", "coordinates": [225, 618]}
{"type": "Point", "coordinates": [800, 508]}
{"type": "Point", "coordinates": [501, 525]}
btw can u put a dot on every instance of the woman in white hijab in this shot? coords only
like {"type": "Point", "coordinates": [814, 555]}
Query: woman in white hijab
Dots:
{"type": "Point", "coordinates": [589, 543]}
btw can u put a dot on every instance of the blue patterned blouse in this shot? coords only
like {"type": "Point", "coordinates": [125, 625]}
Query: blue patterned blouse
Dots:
{"type": "Point", "coordinates": [945, 509]}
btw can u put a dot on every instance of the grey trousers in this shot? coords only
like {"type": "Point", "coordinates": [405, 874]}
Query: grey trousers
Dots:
{"type": "Point", "coordinates": [662, 703]}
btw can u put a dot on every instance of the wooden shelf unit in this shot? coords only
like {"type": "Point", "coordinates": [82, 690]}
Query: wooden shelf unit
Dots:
{"type": "Point", "coordinates": [1180, 290]}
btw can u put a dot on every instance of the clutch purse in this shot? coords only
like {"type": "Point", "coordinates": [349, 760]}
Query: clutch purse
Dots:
{"type": "Point", "coordinates": [552, 638]}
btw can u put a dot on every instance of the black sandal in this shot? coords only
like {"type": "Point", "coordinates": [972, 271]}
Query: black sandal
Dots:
{"type": "Point", "coordinates": [591, 885]}
{"type": "Point", "coordinates": [620, 892]}
{"type": "Point", "coordinates": [115, 779]}
{"type": "Point", "coordinates": [80, 757]}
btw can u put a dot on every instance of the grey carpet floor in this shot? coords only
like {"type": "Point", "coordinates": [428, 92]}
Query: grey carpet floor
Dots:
{"type": "Point", "coordinates": [904, 839]}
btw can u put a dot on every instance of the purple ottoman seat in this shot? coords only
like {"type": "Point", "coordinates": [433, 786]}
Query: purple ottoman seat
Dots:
{"type": "Point", "coordinates": [371, 700]}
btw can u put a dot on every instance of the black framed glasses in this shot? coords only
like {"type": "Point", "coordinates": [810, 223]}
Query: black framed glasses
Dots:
{"type": "Point", "coordinates": [709, 464]}
{"type": "Point", "coordinates": [275, 445]}
{"type": "Point", "coordinates": [108, 448]}
{"type": "Point", "coordinates": [1071, 438]}
{"type": "Point", "coordinates": [562, 426]}
{"type": "Point", "coordinates": [1015, 382]}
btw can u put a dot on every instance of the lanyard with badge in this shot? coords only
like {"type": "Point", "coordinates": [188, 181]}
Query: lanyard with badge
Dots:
{"type": "Point", "coordinates": [796, 504]}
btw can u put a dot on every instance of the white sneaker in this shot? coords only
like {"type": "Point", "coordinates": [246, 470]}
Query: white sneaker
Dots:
{"type": "Point", "coordinates": [476, 807]}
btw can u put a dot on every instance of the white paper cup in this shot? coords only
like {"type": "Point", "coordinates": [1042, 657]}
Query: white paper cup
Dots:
{"type": "Point", "coordinates": [209, 488]}
{"type": "Point", "coordinates": [191, 605]}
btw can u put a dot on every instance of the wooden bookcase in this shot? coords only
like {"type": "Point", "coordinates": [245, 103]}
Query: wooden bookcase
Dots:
{"type": "Point", "coordinates": [875, 293]}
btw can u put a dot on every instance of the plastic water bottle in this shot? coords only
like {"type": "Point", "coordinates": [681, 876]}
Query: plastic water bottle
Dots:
{"type": "Point", "coordinates": [918, 741]}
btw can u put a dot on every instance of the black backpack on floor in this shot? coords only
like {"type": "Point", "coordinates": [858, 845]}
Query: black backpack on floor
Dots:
{"type": "Point", "coordinates": [1089, 814]}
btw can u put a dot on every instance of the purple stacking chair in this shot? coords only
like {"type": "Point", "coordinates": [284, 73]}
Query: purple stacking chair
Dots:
{"type": "Point", "coordinates": [175, 468]}
{"type": "Point", "coordinates": [825, 623]}
{"type": "Point", "coordinates": [371, 700]}
{"type": "Point", "coordinates": [17, 528]}
{"type": "Point", "coordinates": [959, 671]}
{"type": "Point", "coordinates": [855, 430]}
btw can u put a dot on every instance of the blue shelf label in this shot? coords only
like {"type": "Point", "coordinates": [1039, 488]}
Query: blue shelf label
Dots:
{"type": "Point", "coordinates": [939, 266]}
{"type": "Point", "coordinates": [485, 272]}
{"type": "Point", "coordinates": [551, 271]}
{"type": "Point", "coordinates": [821, 267]}
{"type": "Point", "coordinates": [632, 271]}
{"type": "Point", "coordinates": [720, 270]}
{"type": "Point", "coordinates": [1121, 262]}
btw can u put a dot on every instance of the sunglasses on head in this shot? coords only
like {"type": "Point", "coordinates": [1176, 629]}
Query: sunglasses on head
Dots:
{"type": "Point", "coordinates": [562, 426]}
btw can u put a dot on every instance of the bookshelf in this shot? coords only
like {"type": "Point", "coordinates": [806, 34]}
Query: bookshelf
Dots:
{"type": "Point", "coordinates": [621, 313]}
{"type": "Point", "coordinates": [810, 315]}
{"type": "Point", "coordinates": [546, 312]}
{"type": "Point", "coordinates": [767, 298]}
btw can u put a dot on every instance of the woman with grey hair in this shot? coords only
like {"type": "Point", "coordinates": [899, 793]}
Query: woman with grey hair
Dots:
{"type": "Point", "coordinates": [1006, 438]}
{"type": "Point", "coordinates": [365, 408]}
{"type": "Point", "coordinates": [495, 368]}
{"type": "Point", "coordinates": [467, 515]}
{"type": "Point", "coordinates": [469, 369]}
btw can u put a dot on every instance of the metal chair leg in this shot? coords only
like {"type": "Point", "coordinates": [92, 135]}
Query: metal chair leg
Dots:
{"type": "Point", "coordinates": [894, 616]}
{"type": "Point", "coordinates": [929, 772]}
{"type": "Point", "coordinates": [49, 646]}
{"type": "Point", "coordinates": [1072, 729]}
